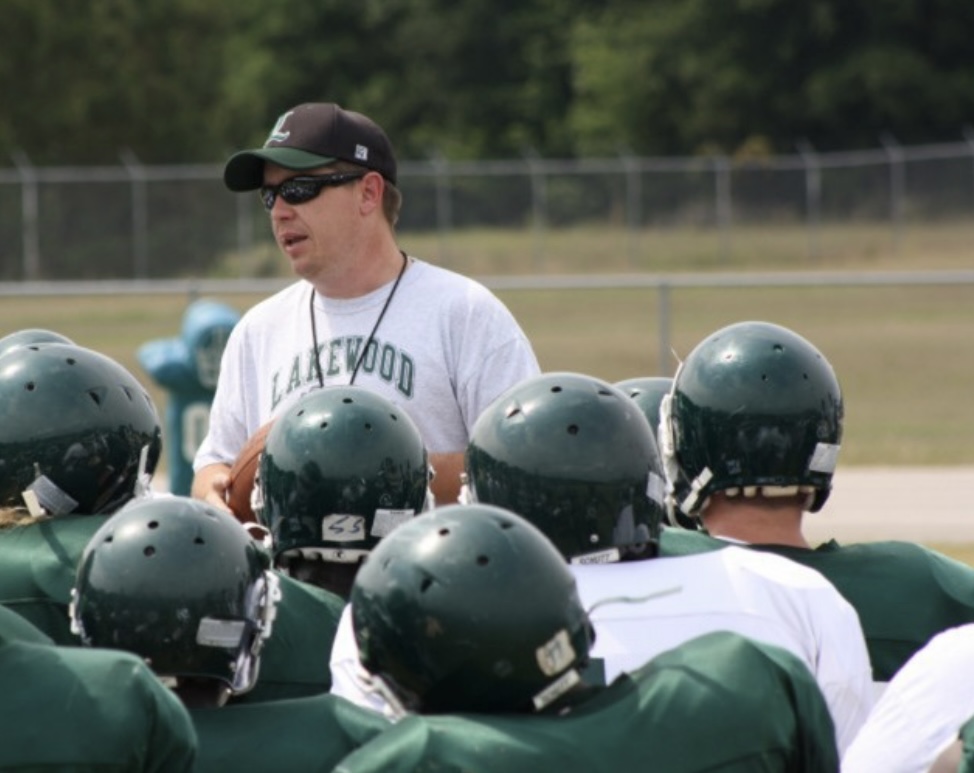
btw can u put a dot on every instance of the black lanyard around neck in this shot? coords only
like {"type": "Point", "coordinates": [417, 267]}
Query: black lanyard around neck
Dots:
{"type": "Point", "coordinates": [375, 327]}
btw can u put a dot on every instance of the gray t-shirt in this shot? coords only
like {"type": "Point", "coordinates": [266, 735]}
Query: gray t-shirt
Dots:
{"type": "Point", "coordinates": [444, 350]}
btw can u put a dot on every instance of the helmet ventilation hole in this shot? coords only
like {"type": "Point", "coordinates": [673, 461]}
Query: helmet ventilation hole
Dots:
{"type": "Point", "coordinates": [513, 412]}
{"type": "Point", "coordinates": [573, 429]}
{"type": "Point", "coordinates": [347, 400]}
{"type": "Point", "coordinates": [153, 524]}
{"type": "Point", "coordinates": [556, 389]}
{"type": "Point", "coordinates": [483, 560]}
{"type": "Point", "coordinates": [426, 584]}
{"type": "Point", "coordinates": [199, 541]}
{"type": "Point", "coordinates": [128, 393]}
{"type": "Point", "coordinates": [443, 532]}
{"type": "Point", "coordinates": [323, 425]}
{"type": "Point", "coordinates": [109, 538]}
{"type": "Point", "coordinates": [71, 361]}
{"type": "Point", "coordinates": [778, 348]}
{"type": "Point", "coordinates": [301, 412]}
{"type": "Point", "coordinates": [149, 551]}
{"type": "Point", "coordinates": [95, 397]}
{"type": "Point", "coordinates": [30, 386]}
{"type": "Point", "coordinates": [393, 417]}
{"type": "Point", "coordinates": [368, 426]}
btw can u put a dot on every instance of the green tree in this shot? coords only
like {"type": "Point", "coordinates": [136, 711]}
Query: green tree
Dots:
{"type": "Point", "coordinates": [470, 79]}
{"type": "Point", "coordinates": [684, 76]}
{"type": "Point", "coordinates": [84, 79]}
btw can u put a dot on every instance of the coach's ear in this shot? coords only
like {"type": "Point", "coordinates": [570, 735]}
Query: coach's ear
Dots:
{"type": "Point", "coordinates": [372, 186]}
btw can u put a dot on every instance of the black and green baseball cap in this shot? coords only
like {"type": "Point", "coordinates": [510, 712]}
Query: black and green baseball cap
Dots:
{"type": "Point", "coordinates": [312, 135]}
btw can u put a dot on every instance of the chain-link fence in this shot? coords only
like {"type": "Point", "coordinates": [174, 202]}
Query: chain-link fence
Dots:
{"type": "Point", "coordinates": [151, 222]}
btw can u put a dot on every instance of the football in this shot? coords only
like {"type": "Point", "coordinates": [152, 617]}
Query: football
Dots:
{"type": "Point", "coordinates": [243, 472]}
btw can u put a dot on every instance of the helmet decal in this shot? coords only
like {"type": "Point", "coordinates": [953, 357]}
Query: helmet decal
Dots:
{"type": "Point", "coordinates": [824, 458]}
{"type": "Point", "coordinates": [556, 689]}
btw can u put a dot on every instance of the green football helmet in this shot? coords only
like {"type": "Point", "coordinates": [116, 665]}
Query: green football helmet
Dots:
{"type": "Point", "coordinates": [469, 608]}
{"type": "Point", "coordinates": [181, 584]}
{"type": "Point", "coordinates": [577, 458]}
{"type": "Point", "coordinates": [341, 468]}
{"type": "Point", "coordinates": [29, 336]}
{"type": "Point", "coordinates": [755, 408]}
{"type": "Point", "coordinates": [78, 432]}
{"type": "Point", "coordinates": [649, 393]}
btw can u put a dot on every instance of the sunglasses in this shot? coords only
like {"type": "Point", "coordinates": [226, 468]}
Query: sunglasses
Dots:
{"type": "Point", "coordinates": [298, 190]}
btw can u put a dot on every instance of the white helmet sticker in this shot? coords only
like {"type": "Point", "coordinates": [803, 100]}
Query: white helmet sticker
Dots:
{"type": "Point", "coordinates": [226, 634]}
{"type": "Point", "coordinates": [343, 528]}
{"type": "Point", "coordinates": [824, 458]}
{"type": "Point", "coordinates": [556, 654]}
{"type": "Point", "coordinates": [656, 488]}
{"type": "Point", "coordinates": [387, 520]}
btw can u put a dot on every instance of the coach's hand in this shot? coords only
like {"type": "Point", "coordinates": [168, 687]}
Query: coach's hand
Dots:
{"type": "Point", "coordinates": [210, 484]}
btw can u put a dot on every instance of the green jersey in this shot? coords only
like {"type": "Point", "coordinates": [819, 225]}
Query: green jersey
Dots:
{"type": "Point", "coordinates": [13, 628]}
{"type": "Point", "coordinates": [37, 570]}
{"type": "Point", "coordinates": [967, 738]}
{"type": "Point", "coordinates": [70, 708]}
{"type": "Point", "coordinates": [717, 702]}
{"type": "Point", "coordinates": [301, 734]}
{"type": "Point", "coordinates": [295, 660]}
{"type": "Point", "coordinates": [904, 593]}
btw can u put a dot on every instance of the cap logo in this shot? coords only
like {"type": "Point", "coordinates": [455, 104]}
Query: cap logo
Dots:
{"type": "Point", "coordinates": [361, 153]}
{"type": "Point", "coordinates": [277, 133]}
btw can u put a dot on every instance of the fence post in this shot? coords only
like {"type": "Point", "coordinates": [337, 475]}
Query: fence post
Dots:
{"type": "Point", "coordinates": [897, 185]}
{"type": "Point", "coordinates": [29, 213]}
{"type": "Point", "coordinates": [634, 195]}
{"type": "Point", "coordinates": [969, 139]}
{"type": "Point", "coordinates": [140, 214]}
{"type": "Point", "coordinates": [722, 195]}
{"type": "Point", "coordinates": [245, 231]}
{"type": "Point", "coordinates": [813, 195]}
{"type": "Point", "coordinates": [664, 328]}
{"type": "Point", "coordinates": [539, 204]}
{"type": "Point", "coordinates": [444, 210]}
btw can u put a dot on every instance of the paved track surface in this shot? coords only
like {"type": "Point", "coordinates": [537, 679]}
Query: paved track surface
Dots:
{"type": "Point", "coordinates": [921, 504]}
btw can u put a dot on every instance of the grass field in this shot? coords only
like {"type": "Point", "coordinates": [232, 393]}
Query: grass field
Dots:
{"type": "Point", "coordinates": [904, 355]}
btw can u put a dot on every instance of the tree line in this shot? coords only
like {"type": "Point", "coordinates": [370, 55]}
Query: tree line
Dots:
{"type": "Point", "coordinates": [190, 81]}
